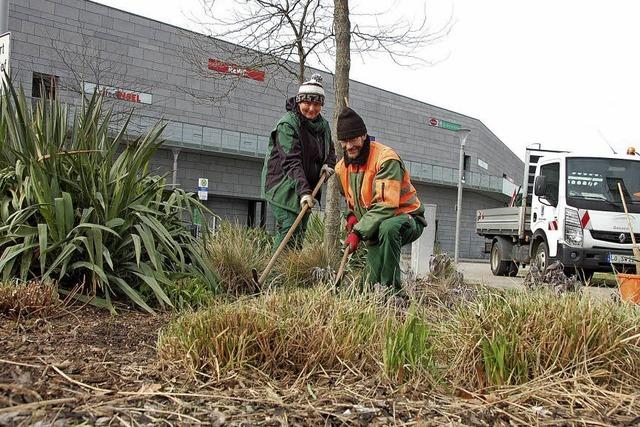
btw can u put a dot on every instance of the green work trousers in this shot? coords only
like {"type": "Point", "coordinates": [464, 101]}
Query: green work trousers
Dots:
{"type": "Point", "coordinates": [284, 221]}
{"type": "Point", "coordinates": [383, 256]}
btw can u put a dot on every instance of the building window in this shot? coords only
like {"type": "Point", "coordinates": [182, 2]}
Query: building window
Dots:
{"type": "Point", "coordinates": [44, 86]}
{"type": "Point", "coordinates": [467, 162]}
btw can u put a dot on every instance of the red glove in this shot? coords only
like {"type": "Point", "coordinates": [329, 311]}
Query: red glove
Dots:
{"type": "Point", "coordinates": [353, 240]}
{"type": "Point", "coordinates": [351, 221]}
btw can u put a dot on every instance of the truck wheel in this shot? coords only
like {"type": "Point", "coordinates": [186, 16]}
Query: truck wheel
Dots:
{"type": "Point", "coordinates": [513, 269]}
{"type": "Point", "coordinates": [542, 256]}
{"type": "Point", "coordinates": [498, 267]}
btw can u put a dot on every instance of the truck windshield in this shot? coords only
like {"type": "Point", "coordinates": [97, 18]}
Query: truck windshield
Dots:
{"type": "Point", "coordinates": [592, 183]}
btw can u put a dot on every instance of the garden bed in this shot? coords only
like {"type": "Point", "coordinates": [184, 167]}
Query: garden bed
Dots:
{"type": "Point", "coordinates": [84, 365]}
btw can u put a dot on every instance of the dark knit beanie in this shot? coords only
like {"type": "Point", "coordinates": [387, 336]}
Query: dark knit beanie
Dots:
{"type": "Point", "coordinates": [350, 125]}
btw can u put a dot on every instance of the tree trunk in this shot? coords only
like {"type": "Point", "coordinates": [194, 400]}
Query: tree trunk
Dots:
{"type": "Point", "coordinates": [301, 63]}
{"type": "Point", "coordinates": [342, 28]}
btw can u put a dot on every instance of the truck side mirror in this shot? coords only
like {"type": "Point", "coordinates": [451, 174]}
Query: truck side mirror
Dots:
{"type": "Point", "coordinates": [540, 186]}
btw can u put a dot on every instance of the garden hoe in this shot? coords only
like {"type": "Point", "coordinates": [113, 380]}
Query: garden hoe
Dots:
{"type": "Point", "coordinates": [343, 263]}
{"type": "Point", "coordinates": [305, 208]}
{"type": "Point", "coordinates": [636, 251]}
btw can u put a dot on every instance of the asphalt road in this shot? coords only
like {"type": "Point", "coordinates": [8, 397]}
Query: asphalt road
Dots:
{"type": "Point", "coordinates": [480, 273]}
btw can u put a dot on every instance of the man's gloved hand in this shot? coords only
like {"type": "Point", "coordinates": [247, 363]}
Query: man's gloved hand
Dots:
{"type": "Point", "coordinates": [351, 221]}
{"type": "Point", "coordinates": [307, 199]}
{"type": "Point", "coordinates": [328, 170]}
{"type": "Point", "coordinates": [353, 240]}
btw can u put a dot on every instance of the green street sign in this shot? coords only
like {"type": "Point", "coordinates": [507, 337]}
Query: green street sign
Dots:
{"type": "Point", "coordinates": [450, 125]}
{"type": "Point", "coordinates": [197, 216]}
{"type": "Point", "coordinates": [444, 124]}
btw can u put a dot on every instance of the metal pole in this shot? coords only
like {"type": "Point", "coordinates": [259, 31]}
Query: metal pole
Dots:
{"type": "Point", "coordinates": [462, 134]}
{"type": "Point", "coordinates": [174, 176]}
{"type": "Point", "coordinates": [4, 16]}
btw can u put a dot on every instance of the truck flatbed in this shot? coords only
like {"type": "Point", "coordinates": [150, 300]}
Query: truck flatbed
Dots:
{"type": "Point", "coordinates": [503, 221]}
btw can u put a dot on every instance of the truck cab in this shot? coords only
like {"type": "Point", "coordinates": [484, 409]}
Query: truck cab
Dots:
{"type": "Point", "coordinates": [571, 210]}
{"type": "Point", "coordinates": [577, 212]}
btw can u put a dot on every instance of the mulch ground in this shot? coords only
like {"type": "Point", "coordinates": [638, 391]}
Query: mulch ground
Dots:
{"type": "Point", "coordinates": [84, 366]}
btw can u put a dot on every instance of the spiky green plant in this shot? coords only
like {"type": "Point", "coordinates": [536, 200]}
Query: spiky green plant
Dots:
{"type": "Point", "coordinates": [78, 204]}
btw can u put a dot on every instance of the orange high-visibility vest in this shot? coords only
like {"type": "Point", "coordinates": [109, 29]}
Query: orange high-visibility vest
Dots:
{"type": "Point", "coordinates": [389, 192]}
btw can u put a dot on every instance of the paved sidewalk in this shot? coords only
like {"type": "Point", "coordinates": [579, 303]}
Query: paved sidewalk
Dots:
{"type": "Point", "coordinates": [480, 273]}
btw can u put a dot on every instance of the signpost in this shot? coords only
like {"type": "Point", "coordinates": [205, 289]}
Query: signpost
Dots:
{"type": "Point", "coordinates": [4, 58]}
{"type": "Point", "coordinates": [203, 194]}
{"type": "Point", "coordinates": [444, 124]}
{"type": "Point", "coordinates": [203, 188]}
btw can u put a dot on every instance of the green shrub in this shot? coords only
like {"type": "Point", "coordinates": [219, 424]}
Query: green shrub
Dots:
{"type": "Point", "coordinates": [78, 205]}
{"type": "Point", "coordinates": [191, 293]}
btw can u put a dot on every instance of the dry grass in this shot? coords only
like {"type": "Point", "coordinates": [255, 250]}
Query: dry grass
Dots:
{"type": "Point", "coordinates": [304, 267]}
{"type": "Point", "coordinates": [300, 333]}
{"type": "Point", "coordinates": [491, 341]}
{"type": "Point", "coordinates": [283, 333]}
{"type": "Point", "coordinates": [233, 251]}
{"type": "Point", "coordinates": [18, 299]}
{"type": "Point", "coordinates": [514, 338]}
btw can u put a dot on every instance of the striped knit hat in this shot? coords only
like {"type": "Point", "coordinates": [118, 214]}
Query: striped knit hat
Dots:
{"type": "Point", "coordinates": [311, 91]}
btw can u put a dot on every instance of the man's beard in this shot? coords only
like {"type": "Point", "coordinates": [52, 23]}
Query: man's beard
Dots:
{"type": "Point", "coordinates": [363, 155]}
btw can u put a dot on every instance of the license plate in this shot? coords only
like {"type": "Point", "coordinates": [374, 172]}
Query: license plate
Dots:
{"type": "Point", "coordinates": [620, 259]}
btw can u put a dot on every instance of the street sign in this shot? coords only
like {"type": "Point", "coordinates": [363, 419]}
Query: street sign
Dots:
{"type": "Point", "coordinates": [203, 188]}
{"type": "Point", "coordinates": [444, 124]}
{"type": "Point", "coordinates": [4, 57]}
{"type": "Point", "coordinates": [197, 216]}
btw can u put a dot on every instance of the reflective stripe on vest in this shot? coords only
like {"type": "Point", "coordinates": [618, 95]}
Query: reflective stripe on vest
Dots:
{"type": "Point", "coordinates": [387, 191]}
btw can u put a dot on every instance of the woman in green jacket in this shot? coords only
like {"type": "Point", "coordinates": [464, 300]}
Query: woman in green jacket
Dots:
{"type": "Point", "coordinates": [300, 149]}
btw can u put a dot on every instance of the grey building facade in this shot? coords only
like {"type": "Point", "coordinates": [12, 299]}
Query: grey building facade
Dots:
{"type": "Point", "coordinates": [64, 48]}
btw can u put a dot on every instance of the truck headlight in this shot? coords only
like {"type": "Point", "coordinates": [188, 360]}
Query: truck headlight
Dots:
{"type": "Point", "coordinates": [572, 227]}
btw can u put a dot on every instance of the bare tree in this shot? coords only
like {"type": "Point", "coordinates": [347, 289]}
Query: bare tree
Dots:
{"type": "Point", "coordinates": [342, 27]}
{"type": "Point", "coordinates": [91, 68]}
{"type": "Point", "coordinates": [284, 36]}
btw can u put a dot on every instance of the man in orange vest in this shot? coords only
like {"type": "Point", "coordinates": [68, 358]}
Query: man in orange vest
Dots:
{"type": "Point", "coordinates": [383, 206]}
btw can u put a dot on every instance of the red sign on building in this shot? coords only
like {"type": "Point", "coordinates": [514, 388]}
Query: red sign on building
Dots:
{"type": "Point", "coordinates": [223, 67]}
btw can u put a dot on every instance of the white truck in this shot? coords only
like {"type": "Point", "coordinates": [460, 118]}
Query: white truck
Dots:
{"type": "Point", "coordinates": [571, 210]}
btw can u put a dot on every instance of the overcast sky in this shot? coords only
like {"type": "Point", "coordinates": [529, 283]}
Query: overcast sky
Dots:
{"type": "Point", "coordinates": [561, 73]}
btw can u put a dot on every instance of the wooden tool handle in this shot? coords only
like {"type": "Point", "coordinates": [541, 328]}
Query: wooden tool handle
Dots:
{"type": "Point", "coordinates": [636, 251]}
{"type": "Point", "coordinates": [295, 225]}
{"type": "Point", "coordinates": [343, 264]}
